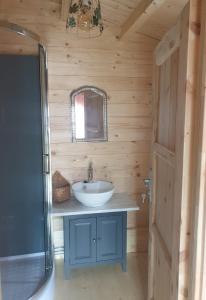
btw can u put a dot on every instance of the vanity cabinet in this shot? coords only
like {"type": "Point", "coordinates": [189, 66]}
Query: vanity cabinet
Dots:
{"type": "Point", "coordinates": [82, 240]}
{"type": "Point", "coordinates": [94, 239]}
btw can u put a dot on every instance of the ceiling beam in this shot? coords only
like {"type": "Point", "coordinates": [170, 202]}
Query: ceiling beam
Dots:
{"type": "Point", "coordinates": [65, 9]}
{"type": "Point", "coordinates": [145, 7]}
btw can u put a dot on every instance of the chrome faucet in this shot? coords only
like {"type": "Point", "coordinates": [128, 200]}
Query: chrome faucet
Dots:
{"type": "Point", "coordinates": [90, 172]}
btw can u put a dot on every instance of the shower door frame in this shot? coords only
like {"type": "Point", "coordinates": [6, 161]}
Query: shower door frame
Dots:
{"type": "Point", "coordinates": [46, 157]}
{"type": "Point", "coordinates": [45, 143]}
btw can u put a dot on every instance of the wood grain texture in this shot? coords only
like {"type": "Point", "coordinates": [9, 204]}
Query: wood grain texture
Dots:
{"type": "Point", "coordinates": [197, 270]}
{"type": "Point", "coordinates": [158, 19]}
{"type": "Point", "coordinates": [126, 76]}
{"type": "Point", "coordinates": [135, 15]}
{"type": "Point", "coordinates": [154, 23]}
{"type": "Point", "coordinates": [184, 142]}
{"type": "Point", "coordinates": [64, 9]}
{"type": "Point", "coordinates": [169, 44]}
{"type": "Point", "coordinates": [168, 101]}
{"type": "Point", "coordinates": [124, 70]}
{"type": "Point", "coordinates": [170, 214]}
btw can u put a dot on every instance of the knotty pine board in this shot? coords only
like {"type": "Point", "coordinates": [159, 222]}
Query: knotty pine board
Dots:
{"type": "Point", "coordinates": [124, 70]}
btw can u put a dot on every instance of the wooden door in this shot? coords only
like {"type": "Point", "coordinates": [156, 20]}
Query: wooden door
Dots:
{"type": "Point", "coordinates": [109, 237]}
{"type": "Point", "coordinates": [174, 77]}
{"type": "Point", "coordinates": [83, 241]}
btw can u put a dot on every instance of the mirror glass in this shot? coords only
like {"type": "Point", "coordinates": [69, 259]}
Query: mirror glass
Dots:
{"type": "Point", "coordinates": [89, 115]}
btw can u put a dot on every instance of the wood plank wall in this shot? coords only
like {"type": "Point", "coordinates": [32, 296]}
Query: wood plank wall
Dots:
{"type": "Point", "coordinates": [124, 70]}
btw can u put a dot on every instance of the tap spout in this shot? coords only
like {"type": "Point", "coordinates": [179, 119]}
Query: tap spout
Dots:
{"type": "Point", "coordinates": [90, 172]}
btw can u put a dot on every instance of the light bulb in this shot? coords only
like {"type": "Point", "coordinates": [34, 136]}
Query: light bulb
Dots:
{"type": "Point", "coordinates": [84, 21]}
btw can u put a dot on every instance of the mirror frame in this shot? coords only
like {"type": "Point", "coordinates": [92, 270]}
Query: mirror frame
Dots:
{"type": "Point", "coordinates": [103, 94]}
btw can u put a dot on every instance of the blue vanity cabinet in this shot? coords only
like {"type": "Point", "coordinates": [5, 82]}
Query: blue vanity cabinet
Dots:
{"type": "Point", "coordinates": [94, 239]}
{"type": "Point", "coordinates": [109, 237]}
{"type": "Point", "coordinates": [82, 241]}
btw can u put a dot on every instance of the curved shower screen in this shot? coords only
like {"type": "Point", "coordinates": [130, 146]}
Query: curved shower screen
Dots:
{"type": "Point", "coordinates": [26, 258]}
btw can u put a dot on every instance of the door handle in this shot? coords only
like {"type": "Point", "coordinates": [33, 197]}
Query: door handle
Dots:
{"type": "Point", "coordinates": [144, 197]}
{"type": "Point", "coordinates": [94, 241]}
{"type": "Point", "coordinates": [46, 164]}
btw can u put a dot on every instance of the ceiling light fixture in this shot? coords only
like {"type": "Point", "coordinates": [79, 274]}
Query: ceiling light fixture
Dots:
{"type": "Point", "coordinates": [85, 18]}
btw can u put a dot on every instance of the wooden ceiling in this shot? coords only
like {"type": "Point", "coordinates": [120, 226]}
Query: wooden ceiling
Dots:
{"type": "Point", "coordinates": [159, 17]}
{"type": "Point", "coordinates": [124, 17]}
{"type": "Point", "coordinates": [150, 17]}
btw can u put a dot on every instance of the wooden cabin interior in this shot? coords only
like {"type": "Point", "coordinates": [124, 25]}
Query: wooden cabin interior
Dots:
{"type": "Point", "coordinates": [148, 69]}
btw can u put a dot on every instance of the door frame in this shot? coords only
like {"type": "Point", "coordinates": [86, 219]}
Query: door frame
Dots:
{"type": "Point", "coordinates": [197, 272]}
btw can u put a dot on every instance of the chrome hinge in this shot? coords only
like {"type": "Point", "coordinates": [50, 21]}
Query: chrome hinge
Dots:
{"type": "Point", "coordinates": [148, 184]}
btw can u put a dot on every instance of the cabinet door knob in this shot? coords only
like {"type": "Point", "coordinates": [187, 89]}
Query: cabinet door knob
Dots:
{"type": "Point", "coordinates": [94, 241]}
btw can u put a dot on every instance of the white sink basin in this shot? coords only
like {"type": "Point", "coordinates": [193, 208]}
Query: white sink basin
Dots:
{"type": "Point", "coordinates": [93, 194]}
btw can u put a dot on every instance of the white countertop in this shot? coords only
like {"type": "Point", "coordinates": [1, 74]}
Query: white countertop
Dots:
{"type": "Point", "coordinates": [72, 207]}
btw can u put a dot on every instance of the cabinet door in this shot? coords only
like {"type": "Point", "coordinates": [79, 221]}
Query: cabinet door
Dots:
{"type": "Point", "coordinates": [109, 237]}
{"type": "Point", "coordinates": [83, 241]}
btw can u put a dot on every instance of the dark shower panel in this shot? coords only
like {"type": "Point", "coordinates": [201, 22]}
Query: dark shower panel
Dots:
{"type": "Point", "coordinates": [22, 219]}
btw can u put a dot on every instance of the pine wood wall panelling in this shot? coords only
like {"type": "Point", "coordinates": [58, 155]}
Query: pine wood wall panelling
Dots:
{"type": "Point", "coordinates": [128, 122]}
{"type": "Point", "coordinates": [139, 96]}
{"type": "Point", "coordinates": [109, 148]}
{"type": "Point", "coordinates": [66, 82]}
{"type": "Point", "coordinates": [19, 44]}
{"type": "Point", "coordinates": [77, 55]}
{"type": "Point", "coordinates": [123, 70]}
{"type": "Point", "coordinates": [95, 68]}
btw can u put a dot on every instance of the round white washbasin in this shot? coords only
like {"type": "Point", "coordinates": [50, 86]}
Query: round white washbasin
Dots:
{"type": "Point", "coordinates": [93, 194]}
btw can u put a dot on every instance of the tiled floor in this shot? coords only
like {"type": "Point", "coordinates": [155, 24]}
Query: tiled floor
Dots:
{"type": "Point", "coordinates": [104, 282]}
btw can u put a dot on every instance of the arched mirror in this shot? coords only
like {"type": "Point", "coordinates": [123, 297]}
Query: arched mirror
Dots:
{"type": "Point", "coordinates": [89, 115]}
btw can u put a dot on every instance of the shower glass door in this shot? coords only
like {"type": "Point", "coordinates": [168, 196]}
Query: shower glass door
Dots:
{"type": "Point", "coordinates": [25, 243]}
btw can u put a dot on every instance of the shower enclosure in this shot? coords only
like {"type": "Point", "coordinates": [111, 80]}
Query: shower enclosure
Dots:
{"type": "Point", "coordinates": [26, 258]}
